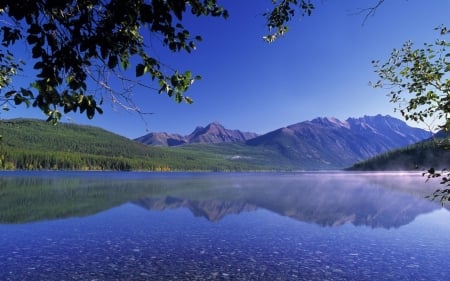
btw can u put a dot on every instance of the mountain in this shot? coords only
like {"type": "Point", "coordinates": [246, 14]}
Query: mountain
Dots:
{"type": "Point", "coordinates": [333, 200]}
{"type": "Point", "coordinates": [29, 144]}
{"type": "Point", "coordinates": [216, 133]}
{"type": "Point", "coordinates": [323, 143]}
{"type": "Point", "coordinates": [212, 133]}
{"type": "Point", "coordinates": [323, 198]}
{"type": "Point", "coordinates": [328, 143]}
{"type": "Point", "coordinates": [212, 210]}
{"type": "Point", "coordinates": [162, 139]}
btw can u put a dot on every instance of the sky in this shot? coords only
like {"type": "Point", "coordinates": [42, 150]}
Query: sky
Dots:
{"type": "Point", "coordinates": [320, 68]}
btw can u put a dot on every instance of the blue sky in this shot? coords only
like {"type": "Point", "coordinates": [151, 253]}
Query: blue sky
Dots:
{"type": "Point", "coordinates": [322, 67]}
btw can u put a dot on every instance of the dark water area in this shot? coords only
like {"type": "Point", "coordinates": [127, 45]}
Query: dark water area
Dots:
{"type": "Point", "coordinates": [221, 226]}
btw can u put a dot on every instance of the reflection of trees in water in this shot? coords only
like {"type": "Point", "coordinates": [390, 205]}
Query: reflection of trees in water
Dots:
{"type": "Point", "coordinates": [327, 199]}
{"type": "Point", "coordinates": [24, 199]}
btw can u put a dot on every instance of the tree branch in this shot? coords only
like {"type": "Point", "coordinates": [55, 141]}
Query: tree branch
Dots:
{"type": "Point", "coordinates": [369, 12]}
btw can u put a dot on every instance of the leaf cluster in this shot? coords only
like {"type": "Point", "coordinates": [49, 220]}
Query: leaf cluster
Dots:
{"type": "Point", "coordinates": [418, 79]}
{"type": "Point", "coordinates": [419, 83]}
{"type": "Point", "coordinates": [76, 43]}
{"type": "Point", "coordinates": [442, 194]}
{"type": "Point", "coordinates": [69, 38]}
{"type": "Point", "coordinates": [283, 12]}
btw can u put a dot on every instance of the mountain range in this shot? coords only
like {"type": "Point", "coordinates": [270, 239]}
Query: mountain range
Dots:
{"type": "Point", "coordinates": [322, 143]}
{"type": "Point", "coordinates": [331, 143]}
{"type": "Point", "coordinates": [212, 133]}
{"type": "Point", "coordinates": [334, 200]}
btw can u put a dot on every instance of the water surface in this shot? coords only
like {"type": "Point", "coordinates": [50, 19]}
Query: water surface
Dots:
{"type": "Point", "coordinates": [203, 226]}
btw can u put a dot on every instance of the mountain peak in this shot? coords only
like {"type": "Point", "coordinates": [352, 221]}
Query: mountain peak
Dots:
{"type": "Point", "coordinates": [330, 121]}
{"type": "Point", "coordinates": [215, 127]}
{"type": "Point", "coordinates": [214, 132]}
{"type": "Point", "coordinates": [215, 124]}
{"type": "Point", "coordinates": [369, 118]}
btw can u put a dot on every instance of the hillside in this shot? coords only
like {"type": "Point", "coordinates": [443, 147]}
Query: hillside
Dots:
{"type": "Point", "coordinates": [36, 144]}
{"type": "Point", "coordinates": [260, 158]}
{"type": "Point", "coordinates": [323, 143]}
{"type": "Point", "coordinates": [328, 143]}
{"type": "Point", "coordinates": [423, 155]}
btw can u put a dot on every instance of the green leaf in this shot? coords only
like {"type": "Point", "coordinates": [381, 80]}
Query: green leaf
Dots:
{"type": "Point", "coordinates": [26, 93]}
{"type": "Point", "coordinates": [90, 112]}
{"type": "Point", "coordinates": [9, 94]}
{"type": "Point", "coordinates": [18, 99]}
{"type": "Point", "coordinates": [34, 29]}
{"type": "Point", "coordinates": [124, 62]}
{"type": "Point", "coordinates": [112, 62]}
{"type": "Point", "coordinates": [32, 39]}
{"type": "Point", "coordinates": [140, 70]}
{"type": "Point", "coordinates": [188, 100]}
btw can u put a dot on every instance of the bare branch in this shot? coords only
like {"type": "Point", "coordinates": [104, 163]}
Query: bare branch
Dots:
{"type": "Point", "coordinates": [122, 98]}
{"type": "Point", "coordinates": [368, 12]}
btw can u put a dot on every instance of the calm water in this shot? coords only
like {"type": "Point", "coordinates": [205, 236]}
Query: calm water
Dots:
{"type": "Point", "coordinates": [147, 226]}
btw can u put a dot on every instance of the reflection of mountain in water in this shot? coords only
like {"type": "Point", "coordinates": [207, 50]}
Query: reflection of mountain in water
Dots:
{"type": "Point", "coordinates": [212, 210]}
{"type": "Point", "coordinates": [326, 199]}
{"type": "Point", "coordinates": [330, 201]}
{"type": "Point", "coordinates": [335, 207]}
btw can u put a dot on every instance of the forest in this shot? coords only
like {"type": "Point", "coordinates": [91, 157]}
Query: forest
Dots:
{"type": "Point", "coordinates": [28, 144]}
{"type": "Point", "coordinates": [420, 156]}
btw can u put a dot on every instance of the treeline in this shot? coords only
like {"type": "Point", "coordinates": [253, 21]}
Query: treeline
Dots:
{"type": "Point", "coordinates": [13, 159]}
{"type": "Point", "coordinates": [32, 160]}
{"type": "Point", "coordinates": [423, 155]}
{"type": "Point", "coordinates": [37, 145]}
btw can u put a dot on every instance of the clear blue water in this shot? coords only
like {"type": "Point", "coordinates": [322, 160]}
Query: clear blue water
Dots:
{"type": "Point", "coordinates": [299, 226]}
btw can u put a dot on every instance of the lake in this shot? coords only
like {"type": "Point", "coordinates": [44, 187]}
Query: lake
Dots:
{"type": "Point", "coordinates": [221, 226]}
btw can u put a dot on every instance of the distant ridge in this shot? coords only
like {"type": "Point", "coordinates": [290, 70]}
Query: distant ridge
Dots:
{"type": "Point", "coordinates": [162, 139]}
{"type": "Point", "coordinates": [212, 133]}
{"type": "Point", "coordinates": [319, 144]}
{"type": "Point", "coordinates": [327, 143]}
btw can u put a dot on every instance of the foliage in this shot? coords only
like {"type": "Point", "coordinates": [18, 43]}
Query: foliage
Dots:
{"type": "Point", "coordinates": [79, 43]}
{"type": "Point", "coordinates": [8, 68]}
{"type": "Point", "coordinates": [442, 194]}
{"type": "Point", "coordinates": [37, 145]}
{"type": "Point", "coordinates": [418, 80]}
{"type": "Point", "coordinates": [282, 13]}
{"type": "Point", "coordinates": [419, 84]}
{"type": "Point", "coordinates": [413, 157]}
